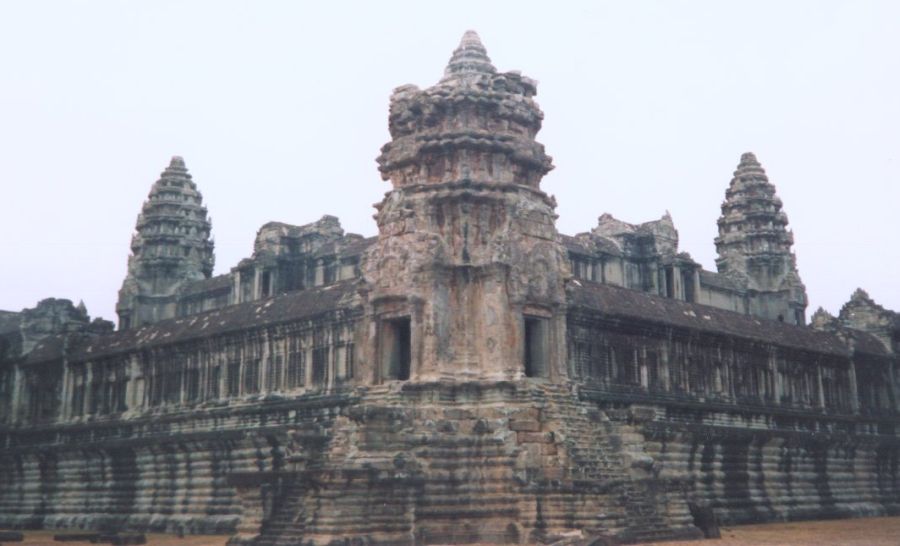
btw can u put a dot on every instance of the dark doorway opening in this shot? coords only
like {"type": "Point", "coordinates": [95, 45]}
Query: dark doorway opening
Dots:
{"type": "Point", "coordinates": [536, 347]}
{"type": "Point", "coordinates": [687, 279]}
{"type": "Point", "coordinates": [266, 284]}
{"type": "Point", "coordinates": [396, 355]}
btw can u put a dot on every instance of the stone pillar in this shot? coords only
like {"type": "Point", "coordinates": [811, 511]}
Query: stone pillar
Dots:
{"type": "Point", "coordinates": [696, 280]}
{"type": "Point", "coordinates": [65, 395]}
{"type": "Point", "coordinates": [854, 388]}
{"type": "Point", "coordinates": [821, 401]}
{"type": "Point", "coordinates": [677, 283]}
{"type": "Point", "coordinates": [320, 272]}
{"type": "Point", "coordinates": [236, 286]}
{"type": "Point", "coordinates": [18, 393]}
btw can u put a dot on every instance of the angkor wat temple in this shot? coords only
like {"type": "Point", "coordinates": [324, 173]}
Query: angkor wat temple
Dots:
{"type": "Point", "coordinates": [467, 375]}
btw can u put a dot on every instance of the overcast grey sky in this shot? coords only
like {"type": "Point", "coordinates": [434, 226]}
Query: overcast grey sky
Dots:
{"type": "Point", "coordinates": [279, 109]}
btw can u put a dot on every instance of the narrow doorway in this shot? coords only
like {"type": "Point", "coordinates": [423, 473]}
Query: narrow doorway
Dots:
{"type": "Point", "coordinates": [536, 347]}
{"type": "Point", "coordinates": [396, 352]}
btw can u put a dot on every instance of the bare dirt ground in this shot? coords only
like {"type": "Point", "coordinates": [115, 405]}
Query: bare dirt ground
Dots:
{"type": "Point", "coordinates": [840, 532]}
{"type": "Point", "coordinates": [845, 532]}
{"type": "Point", "coordinates": [45, 538]}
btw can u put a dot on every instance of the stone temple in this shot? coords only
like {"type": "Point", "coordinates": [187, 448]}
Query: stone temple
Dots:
{"type": "Point", "coordinates": [467, 375]}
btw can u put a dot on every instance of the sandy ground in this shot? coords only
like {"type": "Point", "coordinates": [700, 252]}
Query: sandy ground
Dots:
{"type": "Point", "coordinates": [845, 532]}
{"type": "Point", "coordinates": [841, 532]}
{"type": "Point", "coordinates": [45, 538]}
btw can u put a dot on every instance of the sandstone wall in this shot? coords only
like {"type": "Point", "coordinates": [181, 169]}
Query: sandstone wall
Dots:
{"type": "Point", "coordinates": [499, 462]}
{"type": "Point", "coordinates": [157, 474]}
{"type": "Point", "coordinates": [756, 425]}
{"type": "Point", "coordinates": [781, 473]}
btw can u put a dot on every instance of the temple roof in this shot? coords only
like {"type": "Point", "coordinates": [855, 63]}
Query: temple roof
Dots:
{"type": "Point", "coordinates": [632, 304]}
{"type": "Point", "coordinates": [302, 304]}
{"type": "Point", "coordinates": [358, 246]}
{"type": "Point", "coordinates": [589, 245]}
{"type": "Point", "coordinates": [862, 312]}
{"type": "Point", "coordinates": [219, 282]}
{"type": "Point", "coordinates": [717, 280]}
{"type": "Point", "coordinates": [9, 321]}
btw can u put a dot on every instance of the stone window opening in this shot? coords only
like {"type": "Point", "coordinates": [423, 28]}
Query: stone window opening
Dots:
{"type": "Point", "coordinates": [688, 282]}
{"type": "Point", "coordinates": [396, 345]}
{"type": "Point", "coordinates": [320, 366]}
{"type": "Point", "coordinates": [213, 378]}
{"type": "Point", "coordinates": [536, 346]}
{"type": "Point", "coordinates": [274, 375]}
{"type": "Point", "coordinates": [670, 282]}
{"type": "Point", "coordinates": [718, 378]}
{"type": "Point", "coordinates": [266, 285]}
{"type": "Point", "coordinates": [349, 361]}
{"type": "Point", "coordinates": [156, 384]}
{"type": "Point", "coordinates": [650, 368]}
{"type": "Point", "coordinates": [624, 365]}
{"type": "Point", "coordinates": [172, 384]}
{"type": "Point", "coordinates": [296, 369]}
{"type": "Point", "coordinates": [193, 384]}
{"type": "Point", "coordinates": [79, 380]}
{"type": "Point", "coordinates": [251, 376]}
{"type": "Point", "coordinates": [119, 389]}
{"type": "Point", "coordinates": [234, 378]}
{"type": "Point", "coordinates": [330, 271]}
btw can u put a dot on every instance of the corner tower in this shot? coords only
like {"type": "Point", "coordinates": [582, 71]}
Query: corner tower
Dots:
{"type": "Point", "coordinates": [170, 247]}
{"type": "Point", "coordinates": [754, 246]}
{"type": "Point", "coordinates": [466, 278]}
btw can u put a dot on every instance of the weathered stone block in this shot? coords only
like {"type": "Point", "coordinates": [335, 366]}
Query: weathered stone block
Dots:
{"type": "Point", "coordinates": [525, 426]}
{"type": "Point", "coordinates": [457, 413]}
{"type": "Point", "coordinates": [525, 414]}
{"type": "Point", "coordinates": [535, 437]}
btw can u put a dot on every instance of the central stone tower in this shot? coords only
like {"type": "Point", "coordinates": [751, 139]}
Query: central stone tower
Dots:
{"type": "Point", "coordinates": [466, 280]}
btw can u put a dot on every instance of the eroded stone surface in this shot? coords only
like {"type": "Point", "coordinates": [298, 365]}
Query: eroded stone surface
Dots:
{"type": "Point", "coordinates": [467, 376]}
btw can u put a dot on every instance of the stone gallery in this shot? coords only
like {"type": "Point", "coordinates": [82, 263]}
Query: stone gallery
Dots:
{"type": "Point", "coordinates": [467, 375]}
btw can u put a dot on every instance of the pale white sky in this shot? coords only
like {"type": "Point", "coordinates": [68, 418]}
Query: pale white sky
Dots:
{"type": "Point", "coordinates": [280, 108]}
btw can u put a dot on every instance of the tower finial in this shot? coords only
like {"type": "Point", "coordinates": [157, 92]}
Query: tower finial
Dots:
{"type": "Point", "coordinates": [176, 169]}
{"type": "Point", "coordinates": [749, 158]}
{"type": "Point", "coordinates": [469, 58]}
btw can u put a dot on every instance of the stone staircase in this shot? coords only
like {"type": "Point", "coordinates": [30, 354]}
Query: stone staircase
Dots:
{"type": "Point", "coordinates": [288, 522]}
{"type": "Point", "coordinates": [607, 456]}
{"type": "Point", "coordinates": [492, 464]}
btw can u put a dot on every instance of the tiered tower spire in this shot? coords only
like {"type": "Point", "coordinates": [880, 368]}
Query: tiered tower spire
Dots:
{"type": "Point", "coordinates": [467, 271]}
{"type": "Point", "coordinates": [754, 245]}
{"type": "Point", "coordinates": [468, 59]}
{"type": "Point", "coordinates": [171, 245]}
{"type": "Point", "coordinates": [474, 125]}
